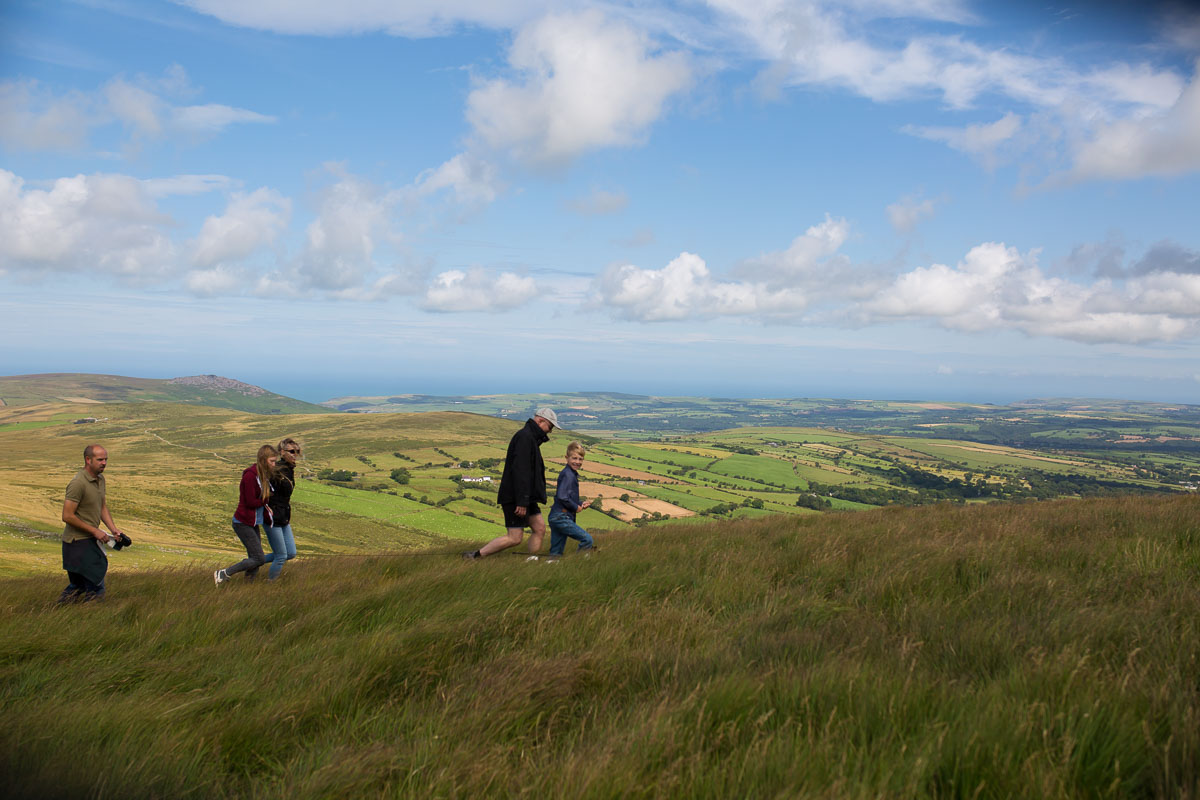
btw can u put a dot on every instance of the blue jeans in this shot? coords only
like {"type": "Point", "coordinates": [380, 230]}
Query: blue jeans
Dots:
{"type": "Point", "coordinates": [283, 548]}
{"type": "Point", "coordinates": [563, 527]}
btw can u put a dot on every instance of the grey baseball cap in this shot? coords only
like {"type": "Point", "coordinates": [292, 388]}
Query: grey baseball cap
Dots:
{"type": "Point", "coordinates": [548, 415]}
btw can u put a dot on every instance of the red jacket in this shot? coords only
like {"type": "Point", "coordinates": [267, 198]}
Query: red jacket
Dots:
{"type": "Point", "coordinates": [250, 498]}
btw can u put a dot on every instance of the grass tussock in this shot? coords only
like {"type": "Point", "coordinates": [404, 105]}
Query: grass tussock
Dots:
{"type": "Point", "coordinates": [1041, 650]}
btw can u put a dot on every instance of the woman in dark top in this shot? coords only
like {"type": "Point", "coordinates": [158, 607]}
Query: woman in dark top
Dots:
{"type": "Point", "coordinates": [254, 493]}
{"type": "Point", "coordinates": [279, 531]}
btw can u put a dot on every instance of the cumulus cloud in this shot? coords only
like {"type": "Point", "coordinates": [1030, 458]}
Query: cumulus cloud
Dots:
{"type": "Point", "coordinates": [585, 82]}
{"type": "Point", "coordinates": [685, 289]}
{"type": "Point", "coordinates": [996, 287]}
{"type": "Point", "coordinates": [35, 117]}
{"type": "Point", "coordinates": [354, 216]}
{"type": "Point", "coordinates": [1104, 259]}
{"type": "Point", "coordinates": [1167, 256]}
{"type": "Point", "coordinates": [478, 290]}
{"type": "Point", "coordinates": [804, 262]}
{"type": "Point", "coordinates": [599, 202]}
{"type": "Point", "coordinates": [250, 221]}
{"type": "Point", "coordinates": [104, 223]}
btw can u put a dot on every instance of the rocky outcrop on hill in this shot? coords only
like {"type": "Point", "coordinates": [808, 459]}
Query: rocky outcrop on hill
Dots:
{"type": "Point", "coordinates": [224, 384]}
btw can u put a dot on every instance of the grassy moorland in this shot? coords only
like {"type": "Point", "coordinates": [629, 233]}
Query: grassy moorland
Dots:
{"type": "Point", "coordinates": [97, 390]}
{"type": "Point", "coordinates": [984, 651]}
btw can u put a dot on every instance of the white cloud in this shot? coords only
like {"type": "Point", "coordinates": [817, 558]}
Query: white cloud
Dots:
{"type": "Point", "coordinates": [803, 262]}
{"type": "Point", "coordinates": [477, 290]}
{"type": "Point", "coordinates": [219, 280]}
{"type": "Point", "coordinates": [412, 18]}
{"type": "Point", "coordinates": [995, 287]}
{"type": "Point", "coordinates": [981, 141]}
{"type": "Point", "coordinates": [684, 289]}
{"type": "Point", "coordinates": [473, 180]}
{"type": "Point", "coordinates": [212, 118]}
{"type": "Point", "coordinates": [101, 223]}
{"type": "Point", "coordinates": [907, 212]}
{"type": "Point", "coordinates": [33, 117]}
{"type": "Point", "coordinates": [586, 82]}
{"type": "Point", "coordinates": [353, 217]}
{"type": "Point", "coordinates": [250, 222]}
{"type": "Point", "coordinates": [599, 202]}
{"type": "Point", "coordinates": [1106, 111]}
{"type": "Point", "coordinates": [1163, 144]}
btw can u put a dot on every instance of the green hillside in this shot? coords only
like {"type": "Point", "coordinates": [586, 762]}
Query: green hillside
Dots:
{"type": "Point", "coordinates": [995, 651]}
{"type": "Point", "coordinates": [394, 482]}
{"type": "Point", "coordinates": [204, 390]}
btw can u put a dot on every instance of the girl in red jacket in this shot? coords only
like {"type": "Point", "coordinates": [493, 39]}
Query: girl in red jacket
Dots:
{"type": "Point", "coordinates": [252, 511]}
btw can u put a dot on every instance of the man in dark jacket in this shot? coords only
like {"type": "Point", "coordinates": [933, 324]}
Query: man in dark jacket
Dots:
{"type": "Point", "coordinates": [522, 487]}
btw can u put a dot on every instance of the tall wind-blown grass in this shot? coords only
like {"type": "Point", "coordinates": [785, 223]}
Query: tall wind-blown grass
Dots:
{"type": "Point", "coordinates": [1040, 650]}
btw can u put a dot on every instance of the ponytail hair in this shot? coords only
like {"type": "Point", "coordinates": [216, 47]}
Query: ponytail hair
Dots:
{"type": "Point", "coordinates": [264, 469]}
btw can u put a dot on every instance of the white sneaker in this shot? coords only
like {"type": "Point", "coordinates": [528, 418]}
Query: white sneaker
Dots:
{"type": "Point", "coordinates": [220, 576]}
{"type": "Point", "coordinates": [532, 558]}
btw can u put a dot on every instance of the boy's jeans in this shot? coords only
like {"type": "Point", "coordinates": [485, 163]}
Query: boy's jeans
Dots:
{"type": "Point", "coordinates": [283, 547]}
{"type": "Point", "coordinates": [563, 527]}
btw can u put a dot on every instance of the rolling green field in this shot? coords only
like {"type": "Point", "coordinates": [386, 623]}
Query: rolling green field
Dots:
{"type": "Point", "coordinates": [985, 651]}
{"type": "Point", "coordinates": [393, 482]}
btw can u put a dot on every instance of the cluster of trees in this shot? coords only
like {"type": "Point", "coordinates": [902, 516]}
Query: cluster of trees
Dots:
{"type": "Point", "coordinates": [814, 501]}
{"type": "Point", "coordinates": [734, 448]}
{"type": "Point", "coordinates": [401, 475]}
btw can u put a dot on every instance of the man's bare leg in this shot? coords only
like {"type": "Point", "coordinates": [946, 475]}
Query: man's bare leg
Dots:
{"type": "Point", "coordinates": [537, 530]}
{"type": "Point", "coordinates": [511, 538]}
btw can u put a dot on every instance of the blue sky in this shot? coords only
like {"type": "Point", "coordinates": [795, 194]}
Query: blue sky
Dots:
{"type": "Point", "coordinates": [909, 200]}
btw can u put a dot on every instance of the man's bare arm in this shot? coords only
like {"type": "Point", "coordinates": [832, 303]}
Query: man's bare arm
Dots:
{"type": "Point", "coordinates": [108, 520]}
{"type": "Point", "coordinates": [71, 518]}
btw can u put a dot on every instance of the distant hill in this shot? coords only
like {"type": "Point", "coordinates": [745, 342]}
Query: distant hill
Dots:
{"type": "Point", "coordinates": [202, 390]}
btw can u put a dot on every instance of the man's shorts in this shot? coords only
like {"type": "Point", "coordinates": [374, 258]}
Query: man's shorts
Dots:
{"type": "Point", "coordinates": [511, 520]}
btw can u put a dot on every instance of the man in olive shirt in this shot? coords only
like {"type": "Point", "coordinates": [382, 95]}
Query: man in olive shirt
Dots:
{"type": "Point", "coordinates": [84, 509]}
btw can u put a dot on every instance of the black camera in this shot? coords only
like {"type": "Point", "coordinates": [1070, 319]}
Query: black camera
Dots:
{"type": "Point", "coordinates": [122, 541]}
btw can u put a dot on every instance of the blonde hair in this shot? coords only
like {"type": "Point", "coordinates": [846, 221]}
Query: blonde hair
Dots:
{"type": "Point", "coordinates": [264, 469]}
{"type": "Point", "coordinates": [575, 447]}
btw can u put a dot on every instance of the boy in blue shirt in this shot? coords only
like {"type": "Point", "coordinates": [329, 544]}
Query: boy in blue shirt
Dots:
{"type": "Point", "coordinates": [567, 505]}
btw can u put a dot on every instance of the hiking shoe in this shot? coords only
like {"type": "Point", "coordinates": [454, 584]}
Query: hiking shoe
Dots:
{"type": "Point", "coordinates": [471, 555]}
{"type": "Point", "coordinates": [532, 558]}
{"type": "Point", "coordinates": [220, 576]}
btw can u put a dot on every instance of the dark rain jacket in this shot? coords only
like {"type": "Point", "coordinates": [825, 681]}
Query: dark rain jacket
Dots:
{"type": "Point", "coordinates": [524, 479]}
{"type": "Point", "coordinates": [283, 482]}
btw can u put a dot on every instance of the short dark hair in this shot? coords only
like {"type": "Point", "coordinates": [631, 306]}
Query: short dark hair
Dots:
{"type": "Point", "coordinates": [88, 452]}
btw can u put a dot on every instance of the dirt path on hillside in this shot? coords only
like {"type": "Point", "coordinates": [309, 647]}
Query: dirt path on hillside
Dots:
{"type": "Point", "coordinates": [188, 447]}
